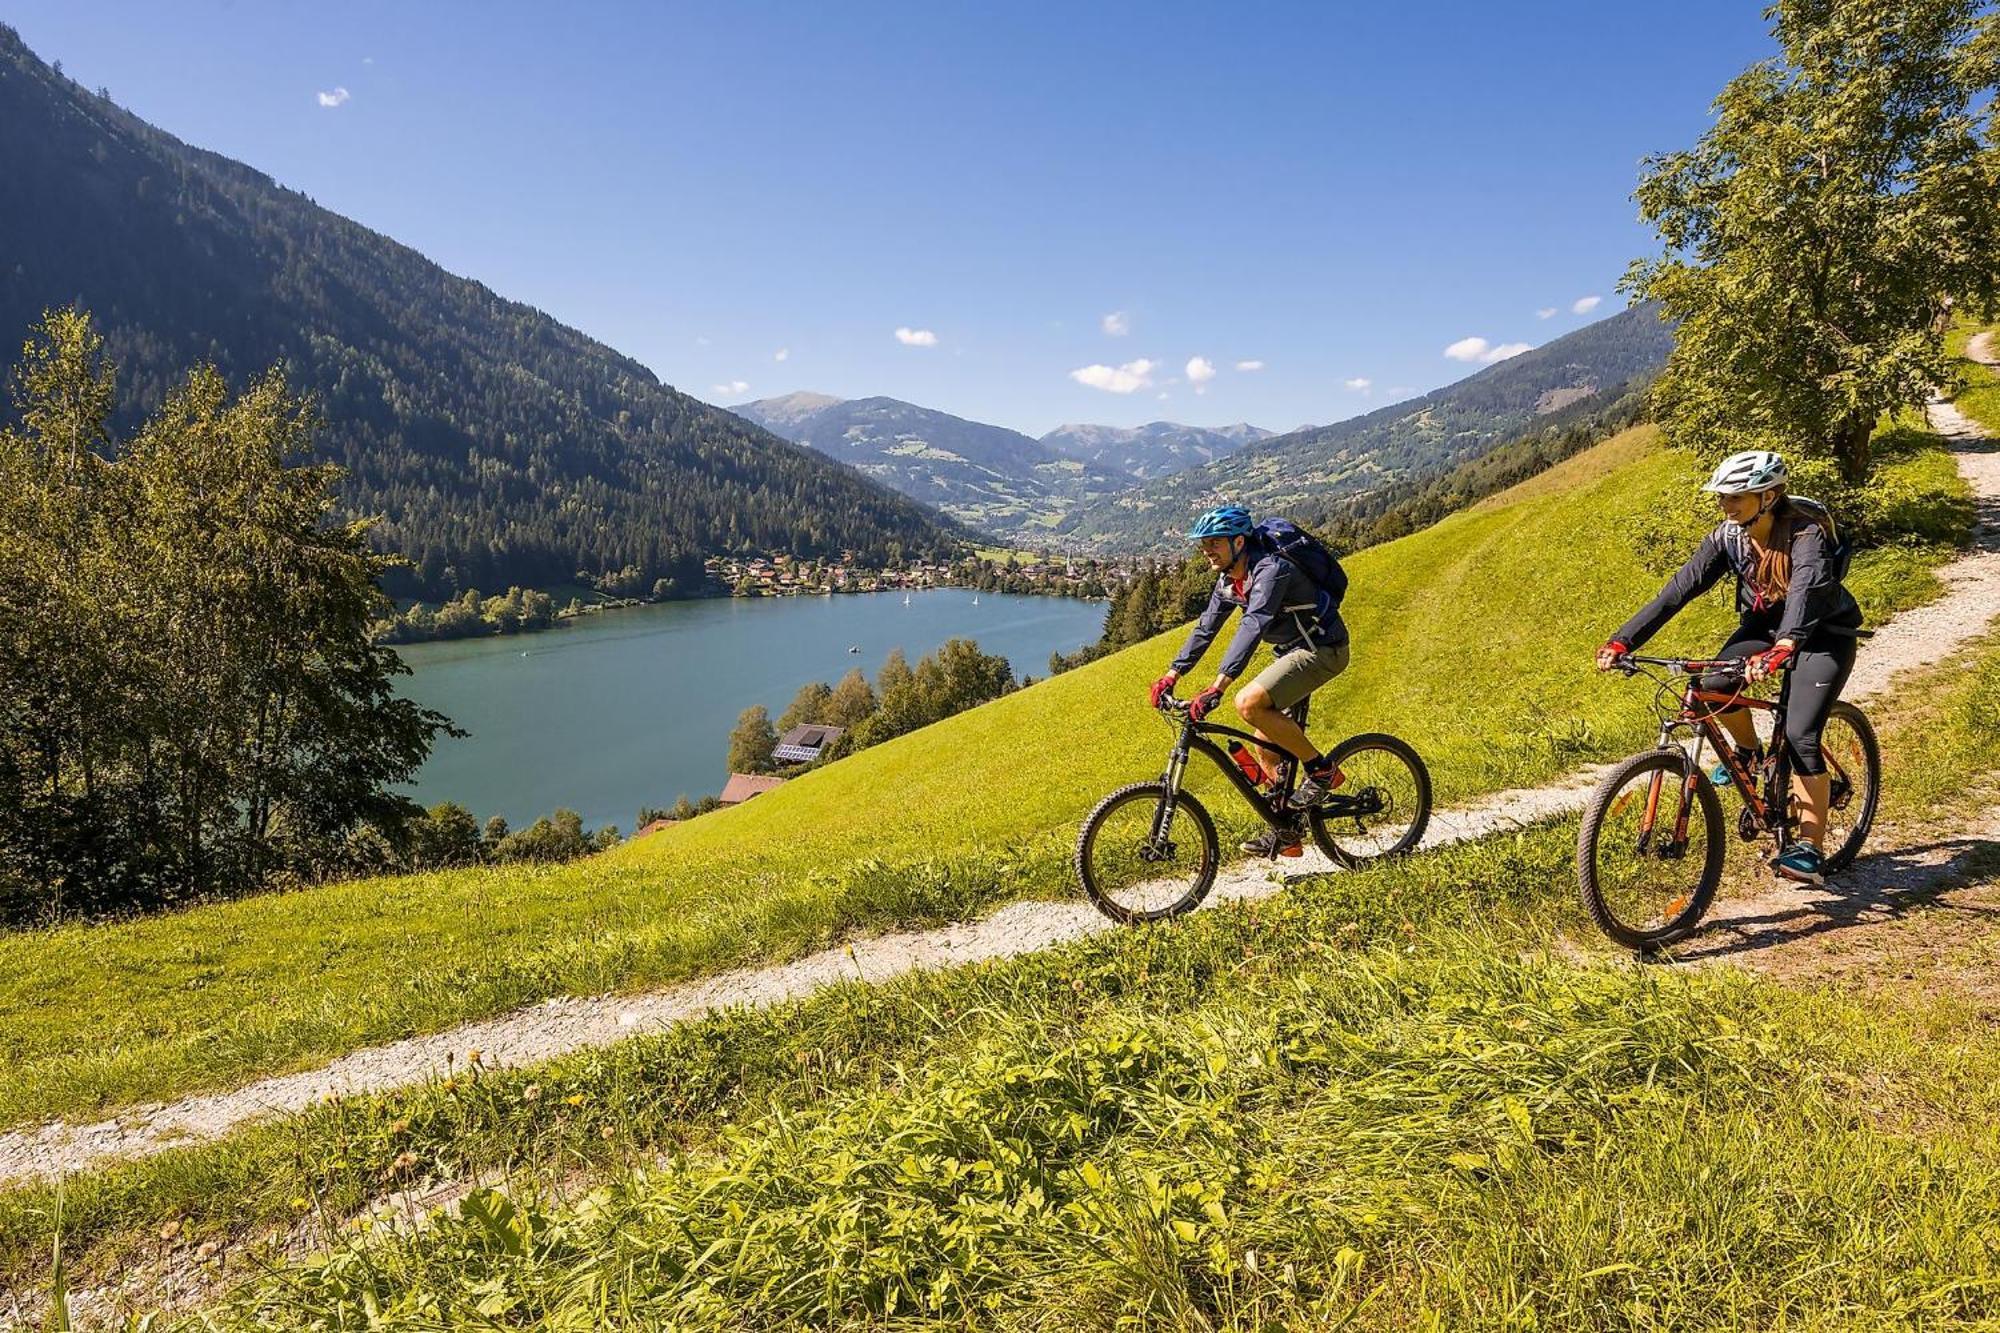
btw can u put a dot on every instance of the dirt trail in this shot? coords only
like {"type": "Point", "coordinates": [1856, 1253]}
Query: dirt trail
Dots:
{"type": "Point", "coordinates": [566, 1024]}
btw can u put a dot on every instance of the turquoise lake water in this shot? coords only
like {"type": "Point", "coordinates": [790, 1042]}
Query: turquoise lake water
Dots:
{"type": "Point", "coordinates": [634, 706]}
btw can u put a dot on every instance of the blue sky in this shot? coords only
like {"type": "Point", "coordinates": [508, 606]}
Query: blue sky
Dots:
{"type": "Point", "coordinates": [1330, 193]}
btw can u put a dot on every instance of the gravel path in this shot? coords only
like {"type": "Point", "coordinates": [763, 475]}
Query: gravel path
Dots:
{"type": "Point", "coordinates": [567, 1024]}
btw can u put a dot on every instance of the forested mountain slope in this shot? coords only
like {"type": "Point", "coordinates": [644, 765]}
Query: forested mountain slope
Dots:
{"type": "Point", "coordinates": [498, 445]}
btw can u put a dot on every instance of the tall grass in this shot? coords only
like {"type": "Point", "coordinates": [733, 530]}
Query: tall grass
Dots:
{"type": "Point", "coordinates": [1470, 640]}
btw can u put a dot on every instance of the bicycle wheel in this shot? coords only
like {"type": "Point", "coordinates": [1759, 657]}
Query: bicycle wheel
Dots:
{"type": "Point", "coordinates": [1854, 761]}
{"type": "Point", "coordinates": [1383, 806]}
{"type": "Point", "coordinates": [1129, 871]}
{"type": "Point", "coordinates": [1644, 887]}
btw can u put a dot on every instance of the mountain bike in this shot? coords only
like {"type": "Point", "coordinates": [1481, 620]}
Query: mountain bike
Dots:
{"type": "Point", "coordinates": [1149, 850]}
{"type": "Point", "coordinates": [1646, 866]}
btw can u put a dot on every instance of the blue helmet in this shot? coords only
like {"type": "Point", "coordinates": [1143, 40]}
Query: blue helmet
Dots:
{"type": "Point", "coordinates": [1227, 521]}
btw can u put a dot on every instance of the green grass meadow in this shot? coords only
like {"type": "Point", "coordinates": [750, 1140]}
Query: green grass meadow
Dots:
{"type": "Point", "coordinates": [1471, 638]}
{"type": "Point", "coordinates": [1379, 1100]}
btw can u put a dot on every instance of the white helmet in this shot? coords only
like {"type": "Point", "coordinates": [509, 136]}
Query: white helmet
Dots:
{"type": "Point", "coordinates": [1751, 470]}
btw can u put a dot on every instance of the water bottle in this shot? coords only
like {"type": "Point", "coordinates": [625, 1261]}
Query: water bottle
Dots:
{"type": "Point", "coordinates": [1252, 768]}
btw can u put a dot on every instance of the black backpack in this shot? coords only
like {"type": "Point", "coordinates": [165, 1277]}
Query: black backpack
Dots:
{"type": "Point", "coordinates": [1306, 553]}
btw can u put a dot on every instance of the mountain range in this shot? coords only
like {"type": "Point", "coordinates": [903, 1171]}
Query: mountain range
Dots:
{"type": "Point", "coordinates": [989, 477]}
{"type": "Point", "coordinates": [1307, 472]}
{"type": "Point", "coordinates": [498, 445]}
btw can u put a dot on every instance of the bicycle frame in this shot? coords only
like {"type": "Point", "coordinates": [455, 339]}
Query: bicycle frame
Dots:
{"type": "Point", "coordinates": [1699, 710]}
{"type": "Point", "coordinates": [1196, 736]}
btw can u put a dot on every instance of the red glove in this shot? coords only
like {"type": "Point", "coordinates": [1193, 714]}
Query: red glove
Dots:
{"type": "Point", "coordinates": [1766, 664]}
{"type": "Point", "coordinates": [1161, 688]}
{"type": "Point", "coordinates": [1613, 648]}
{"type": "Point", "coordinates": [1199, 706]}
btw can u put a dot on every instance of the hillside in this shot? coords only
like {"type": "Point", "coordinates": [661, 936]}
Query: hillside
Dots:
{"type": "Point", "coordinates": [935, 826]}
{"type": "Point", "coordinates": [501, 446]}
{"type": "Point", "coordinates": [1156, 449]}
{"type": "Point", "coordinates": [1306, 471]}
{"type": "Point", "coordinates": [991, 478]}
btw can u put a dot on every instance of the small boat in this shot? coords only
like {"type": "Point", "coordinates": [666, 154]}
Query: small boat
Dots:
{"type": "Point", "coordinates": [975, 599]}
{"type": "Point", "coordinates": [853, 647]}
{"type": "Point", "coordinates": [906, 599]}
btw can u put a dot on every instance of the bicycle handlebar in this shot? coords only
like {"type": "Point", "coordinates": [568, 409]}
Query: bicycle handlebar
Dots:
{"type": "Point", "coordinates": [1629, 663]}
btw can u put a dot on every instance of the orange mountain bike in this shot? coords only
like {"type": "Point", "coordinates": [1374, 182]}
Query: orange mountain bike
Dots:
{"type": "Point", "coordinates": [1649, 854]}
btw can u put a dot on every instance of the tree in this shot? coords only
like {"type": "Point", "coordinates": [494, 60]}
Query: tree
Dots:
{"type": "Point", "coordinates": [751, 743]}
{"type": "Point", "coordinates": [190, 699]}
{"type": "Point", "coordinates": [1816, 236]}
{"type": "Point", "coordinates": [810, 704]}
{"type": "Point", "coordinates": [852, 701]}
{"type": "Point", "coordinates": [895, 673]}
{"type": "Point", "coordinates": [447, 835]}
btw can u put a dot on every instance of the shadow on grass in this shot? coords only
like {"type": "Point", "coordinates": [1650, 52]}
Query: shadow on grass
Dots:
{"type": "Point", "coordinates": [1877, 888]}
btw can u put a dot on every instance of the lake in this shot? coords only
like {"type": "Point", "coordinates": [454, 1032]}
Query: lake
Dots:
{"type": "Point", "coordinates": [634, 706]}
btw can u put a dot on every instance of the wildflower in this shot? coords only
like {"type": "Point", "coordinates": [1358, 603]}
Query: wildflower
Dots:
{"type": "Point", "coordinates": [399, 1128]}
{"type": "Point", "coordinates": [171, 1231]}
{"type": "Point", "coordinates": [574, 1099]}
{"type": "Point", "coordinates": [404, 1161]}
{"type": "Point", "coordinates": [532, 1093]}
{"type": "Point", "coordinates": [473, 1056]}
{"type": "Point", "coordinates": [300, 1203]}
{"type": "Point", "coordinates": [208, 1250]}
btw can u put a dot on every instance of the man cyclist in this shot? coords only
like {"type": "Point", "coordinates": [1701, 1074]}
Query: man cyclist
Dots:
{"type": "Point", "coordinates": [1281, 606]}
{"type": "Point", "coordinates": [1784, 551]}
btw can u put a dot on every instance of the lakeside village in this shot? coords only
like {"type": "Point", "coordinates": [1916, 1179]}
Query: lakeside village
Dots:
{"type": "Point", "coordinates": [528, 610]}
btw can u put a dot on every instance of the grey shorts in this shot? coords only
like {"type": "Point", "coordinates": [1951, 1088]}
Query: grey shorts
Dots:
{"type": "Point", "coordinates": [1298, 673]}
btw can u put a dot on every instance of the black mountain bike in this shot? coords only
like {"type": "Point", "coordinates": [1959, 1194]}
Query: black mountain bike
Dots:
{"type": "Point", "coordinates": [1649, 851]}
{"type": "Point", "coordinates": [1149, 850]}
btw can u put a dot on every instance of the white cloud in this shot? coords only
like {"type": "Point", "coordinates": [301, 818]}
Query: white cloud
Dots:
{"type": "Point", "coordinates": [1249, 365]}
{"type": "Point", "coordinates": [368, 60]}
{"type": "Point", "coordinates": [334, 98]}
{"type": "Point", "coordinates": [1117, 323]}
{"type": "Point", "coordinates": [1585, 304]}
{"type": "Point", "coordinates": [1165, 396]}
{"type": "Point", "coordinates": [701, 340]}
{"type": "Point", "coordinates": [1478, 349]}
{"type": "Point", "coordinates": [1360, 383]}
{"type": "Point", "coordinates": [1545, 312]}
{"type": "Point", "coordinates": [1128, 378]}
{"type": "Point", "coordinates": [916, 337]}
{"type": "Point", "coordinates": [1200, 370]}
{"type": "Point", "coordinates": [733, 388]}
{"type": "Point", "coordinates": [782, 354]}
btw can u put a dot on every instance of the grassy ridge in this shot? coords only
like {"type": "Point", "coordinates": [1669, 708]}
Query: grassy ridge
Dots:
{"type": "Point", "coordinates": [1348, 1085]}
{"type": "Point", "coordinates": [1469, 639]}
{"type": "Point", "coordinates": [1340, 1106]}
{"type": "Point", "coordinates": [683, 1091]}
{"type": "Point", "coordinates": [1980, 398]}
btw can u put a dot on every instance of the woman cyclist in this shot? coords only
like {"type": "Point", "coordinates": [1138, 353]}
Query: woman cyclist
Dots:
{"type": "Point", "coordinates": [1785, 553]}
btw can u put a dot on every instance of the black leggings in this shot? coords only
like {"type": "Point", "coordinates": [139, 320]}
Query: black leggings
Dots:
{"type": "Point", "coordinates": [1818, 671]}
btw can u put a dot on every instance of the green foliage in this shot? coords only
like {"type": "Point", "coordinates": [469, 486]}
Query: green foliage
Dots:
{"type": "Point", "coordinates": [851, 701]}
{"type": "Point", "coordinates": [752, 741]}
{"type": "Point", "coordinates": [811, 704]}
{"type": "Point", "coordinates": [446, 836]}
{"type": "Point", "coordinates": [520, 611]}
{"type": "Point", "coordinates": [192, 704]}
{"type": "Point", "coordinates": [551, 840]}
{"type": "Point", "coordinates": [503, 447]}
{"type": "Point", "coordinates": [1816, 234]}
{"type": "Point", "coordinates": [949, 681]}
